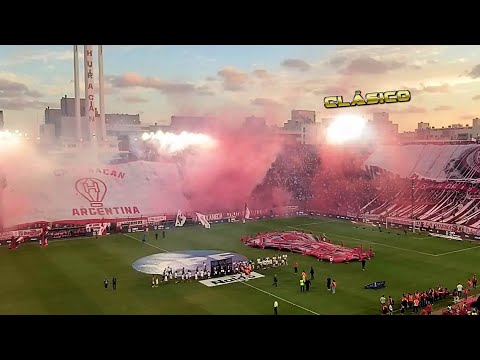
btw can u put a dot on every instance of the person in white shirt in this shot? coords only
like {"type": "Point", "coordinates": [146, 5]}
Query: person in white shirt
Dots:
{"type": "Point", "coordinates": [176, 277]}
{"type": "Point", "coordinates": [196, 275]}
{"type": "Point", "coordinates": [275, 307]}
{"type": "Point", "coordinates": [459, 289]}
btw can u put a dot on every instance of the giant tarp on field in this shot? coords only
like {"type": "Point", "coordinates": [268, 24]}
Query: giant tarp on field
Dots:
{"type": "Point", "coordinates": [307, 244]}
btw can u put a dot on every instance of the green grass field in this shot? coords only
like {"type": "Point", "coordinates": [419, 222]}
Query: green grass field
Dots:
{"type": "Point", "coordinates": [67, 276]}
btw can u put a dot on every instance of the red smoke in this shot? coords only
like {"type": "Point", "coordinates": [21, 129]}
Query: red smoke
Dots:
{"type": "Point", "coordinates": [225, 177]}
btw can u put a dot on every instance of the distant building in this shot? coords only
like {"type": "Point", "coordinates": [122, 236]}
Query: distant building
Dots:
{"type": "Point", "coordinates": [454, 132]}
{"type": "Point", "coordinates": [122, 119]}
{"type": "Point", "coordinates": [2, 124]}
{"type": "Point", "coordinates": [304, 116]}
{"type": "Point", "coordinates": [64, 126]}
{"type": "Point", "coordinates": [302, 128]}
{"type": "Point", "coordinates": [299, 118]}
{"type": "Point", "coordinates": [382, 129]}
{"type": "Point", "coordinates": [54, 117]}
{"type": "Point", "coordinates": [190, 123]}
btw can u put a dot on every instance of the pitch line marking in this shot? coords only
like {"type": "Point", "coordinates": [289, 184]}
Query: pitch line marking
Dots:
{"type": "Point", "coordinates": [390, 246]}
{"type": "Point", "coordinates": [134, 238]}
{"type": "Point", "coordinates": [254, 287]}
{"type": "Point", "coordinates": [375, 243]}
{"type": "Point", "coordinates": [456, 251]}
{"type": "Point", "coordinates": [315, 223]}
{"type": "Point", "coordinates": [279, 298]}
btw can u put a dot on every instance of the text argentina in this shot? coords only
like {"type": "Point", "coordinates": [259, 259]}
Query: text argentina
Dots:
{"type": "Point", "coordinates": [117, 210]}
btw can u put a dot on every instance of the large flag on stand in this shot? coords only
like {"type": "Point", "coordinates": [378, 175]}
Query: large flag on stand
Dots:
{"type": "Point", "coordinates": [203, 220]}
{"type": "Point", "coordinates": [180, 219]}
{"type": "Point", "coordinates": [247, 212]}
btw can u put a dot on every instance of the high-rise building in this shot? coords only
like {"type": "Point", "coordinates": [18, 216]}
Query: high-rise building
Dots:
{"type": "Point", "coordinates": [1, 120]}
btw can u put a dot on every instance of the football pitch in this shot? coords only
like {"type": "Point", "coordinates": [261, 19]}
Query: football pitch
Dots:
{"type": "Point", "coordinates": [67, 276]}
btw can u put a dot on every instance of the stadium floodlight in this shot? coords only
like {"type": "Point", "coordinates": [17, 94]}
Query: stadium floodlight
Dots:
{"type": "Point", "coordinates": [346, 128]}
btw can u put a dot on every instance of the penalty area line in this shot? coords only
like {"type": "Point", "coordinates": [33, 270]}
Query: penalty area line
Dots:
{"type": "Point", "coordinates": [313, 223]}
{"type": "Point", "coordinates": [134, 238]}
{"type": "Point", "coordinates": [279, 298]}
{"type": "Point", "coordinates": [456, 251]}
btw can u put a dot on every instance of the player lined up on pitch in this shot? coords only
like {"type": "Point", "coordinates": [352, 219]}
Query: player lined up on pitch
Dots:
{"type": "Point", "coordinates": [242, 268]}
{"type": "Point", "coordinates": [274, 261]}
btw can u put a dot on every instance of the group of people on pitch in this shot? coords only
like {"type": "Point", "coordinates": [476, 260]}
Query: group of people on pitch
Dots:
{"type": "Point", "coordinates": [180, 275]}
{"type": "Point", "coordinates": [274, 261]}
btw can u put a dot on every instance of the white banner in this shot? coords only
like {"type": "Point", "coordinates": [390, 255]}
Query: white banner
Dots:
{"type": "Point", "coordinates": [31, 233]}
{"type": "Point", "coordinates": [180, 219]}
{"type": "Point", "coordinates": [133, 222]}
{"type": "Point", "coordinates": [217, 216]}
{"type": "Point", "coordinates": [203, 220]}
{"type": "Point", "coordinates": [99, 229]}
{"type": "Point", "coordinates": [129, 190]}
{"type": "Point", "coordinates": [155, 220]}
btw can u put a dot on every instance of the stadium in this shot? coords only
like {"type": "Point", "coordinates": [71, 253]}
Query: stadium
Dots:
{"type": "Point", "coordinates": [226, 222]}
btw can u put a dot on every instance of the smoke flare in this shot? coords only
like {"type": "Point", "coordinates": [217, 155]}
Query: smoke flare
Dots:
{"type": "Point", "coordinates": [170, 143]}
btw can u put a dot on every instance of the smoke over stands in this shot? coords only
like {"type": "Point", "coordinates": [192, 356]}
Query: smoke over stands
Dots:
{"type": "Point", "coordinates": [219, 169]}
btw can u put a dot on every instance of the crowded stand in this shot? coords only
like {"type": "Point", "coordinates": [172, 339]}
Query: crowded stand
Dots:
{"type": "Point", "coordinates": [340, 182]}
{"type": "Point", "coordinates": [350, 181]}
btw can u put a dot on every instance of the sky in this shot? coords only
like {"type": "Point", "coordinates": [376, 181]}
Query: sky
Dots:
{"type": "Point", "coordinates": [235, 81]}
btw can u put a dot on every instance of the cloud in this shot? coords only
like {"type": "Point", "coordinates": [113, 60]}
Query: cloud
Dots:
{"type": "Point", "coordinates": [204, 90]}
{"type": "Point", "coordinates": [262, 74]}
{"type": "Point", "coordinates": [296, 64]}
{"type": "Point", "coordinates": [443, 108]}
{"type": "Point", "coordinates": [43, 55]}
{"type": "Point", "coordinates": [444, 88]}
{"type": "Point", "coordinates": [265, 102]}
{"type": "Point", "coordinates": [15, 95]}
{"type": "Point", "coordinates": [233, 79]}
{"type": "Point", "coordinates": [476, 97]}
{"type": "Point", "coordinates": [475, 72]}
{"type": "Point", "coordinates": [331, 90]}
{"type": "Point", "coordinates": [410, 110]}
{"type": "Point", "coordinates": [369, 65]}
{"type": "Point", "coordinates": [130, 80]}
{"type": "Point", "coordinates": [10, 88]}
{"type": "Point", "coordinates": [337, 60]}
{"type": "Point", "coordinates": [22, 104]}
{"type": "Point", "coordinates": [134, 99]}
